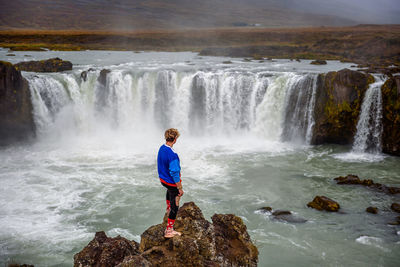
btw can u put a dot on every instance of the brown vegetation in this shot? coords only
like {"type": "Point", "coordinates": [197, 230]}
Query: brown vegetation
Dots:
{"type": "Point", "coordinates": [364, 43]}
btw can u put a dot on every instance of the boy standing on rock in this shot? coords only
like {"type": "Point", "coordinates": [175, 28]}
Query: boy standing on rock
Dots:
{"type": "Point", "coordinates": [169, 172]}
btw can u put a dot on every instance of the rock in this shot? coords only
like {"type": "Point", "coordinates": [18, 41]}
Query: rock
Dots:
{"type": "Point", "coordinates": [19, 265]}
{"type": "Point", "coordinates": [10, 55]}
{"type": "Point", "coordinates": [105, 251]}
{"type": "Point", "coordinates": [373, 210]}
{"type": "Point", "coordinates": [227, 62]}
{"type": "Point", "coordinates": [287, 216]}
{"type": "Point", "coordinates": [391, 116]}
{"type": "Point", "coordinates": [224, 242]}
{"type": "Point", "coordinates": [338, 107]}
{"type": "Point", "coordinates": [324, 203]}
{"type": "Point", "coordinates": [16, 120]}
{"type": "Point", "coordinates": [50, 65]}
{"type": "Point", "coordinates": [318, 62]}
{"type": "Point", "coordinates": [354, 179]}
{"type": "Point", "coordinates": [134, 261]}
{"type": "Point", "coordinates": [84, 75]}
{"type": "Point", "coordinates": [281, 212]}
{"type": "Point", "coordinates": [265, 209]}
{"type": "Point", "coordinates": [395, 207]}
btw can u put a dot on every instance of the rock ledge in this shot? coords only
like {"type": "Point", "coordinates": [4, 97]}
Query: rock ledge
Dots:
{"type": "Point", "coordinates": [224, 242]}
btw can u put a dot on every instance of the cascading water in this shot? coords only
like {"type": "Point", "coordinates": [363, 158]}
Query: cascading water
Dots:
{"type": "Point", "coordinates": [369, 126]}
{"type": "Point", "coordinates": [299, 108]}
{"type": "Point", "coordinates": [217, 102]}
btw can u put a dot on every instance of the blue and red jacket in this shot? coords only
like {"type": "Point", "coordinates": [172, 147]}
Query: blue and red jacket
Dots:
{"type": "Point", "coordinates": [168, 165]}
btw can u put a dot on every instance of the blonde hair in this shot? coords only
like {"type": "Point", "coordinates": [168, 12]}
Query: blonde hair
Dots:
{"type": "Point", "coordinates": [171, 134]}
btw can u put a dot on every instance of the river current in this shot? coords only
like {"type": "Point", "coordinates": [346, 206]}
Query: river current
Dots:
{"type": "Point", "coordinates": [245, 133]}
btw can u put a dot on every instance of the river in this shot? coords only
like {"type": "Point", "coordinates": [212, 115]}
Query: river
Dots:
{"type": "Point", "coordinates": [245, 132]}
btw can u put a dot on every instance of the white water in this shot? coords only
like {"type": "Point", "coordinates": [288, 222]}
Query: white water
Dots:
{"type": "Point", "coordinates": [201, 103]}
{"type": "Point", "coordinates": [93, 166]}
{"type": "Point", "coordinates": [369, 126]}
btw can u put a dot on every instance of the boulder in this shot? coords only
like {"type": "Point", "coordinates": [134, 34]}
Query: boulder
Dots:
{"type": "Point", "coordinates": [16, 119]}
{"type": "Point", "coordinates": [339, 97]}
{"type": "Point", "coordinates": [373, 210]}
{"type": "Point", "coordinates": [105, 251]}
{"type": "Point", "coordinates": [265, 209]}
{"type": "Point", "coordinates": [355, 180]}
{"type": "Point", "coordinates": [318, 62]}
{"type": "Point", "coordinates": [49, 65]}
{"type": "Point", "coordinates": [224, 242]}
{"type": "Point", "coordinates": [391, 116]}
{"type": "Point", "coordinates": [324, 203]}
{"type": "Point", "coordinates": [395, 207]}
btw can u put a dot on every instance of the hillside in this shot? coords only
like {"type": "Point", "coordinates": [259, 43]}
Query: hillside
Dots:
{"type": "Point", "coordinates": [156, 14]}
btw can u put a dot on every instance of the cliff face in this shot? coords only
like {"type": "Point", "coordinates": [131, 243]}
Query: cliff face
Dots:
{"type": "Point", "coordinates": [391, 116]}
{"type": "Point", "coordinates": [16, 121]}
{"type": "Point", "coordinates": [338, 103]}
{"type": "Point", "coordinates": [224, 242]}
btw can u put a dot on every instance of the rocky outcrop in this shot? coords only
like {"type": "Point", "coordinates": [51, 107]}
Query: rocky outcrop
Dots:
{"type": "Point", "coordinates": [339, 97]}
{"type": "Point", "coordinates": [373, 210]}
{"type": "Point", "coordinates": [224, 242]}
{"type": "Point", "coordinates": [50, 65]}
{"type": "Point", "coordinates": [391, 116]}
{"type": "Point", "coordinates": [282, 215]}
{"type": "Point", "coordinates": [16, 120]}
{"type": "Point", "coordinates": [318, 62]}
{"type": "Point", "coordinates": [324, 203]}
{"type": "Point", "coordinates": [355, 180]}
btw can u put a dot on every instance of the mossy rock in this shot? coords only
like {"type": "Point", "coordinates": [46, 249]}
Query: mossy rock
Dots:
{"type": "Point", "coordinates": [339, 97]}
{"type": "Point", "coordinates": [391, 116]}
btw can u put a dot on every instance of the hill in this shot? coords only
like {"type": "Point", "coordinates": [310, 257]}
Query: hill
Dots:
{"type": "Point", "coordinates": [158, 14]}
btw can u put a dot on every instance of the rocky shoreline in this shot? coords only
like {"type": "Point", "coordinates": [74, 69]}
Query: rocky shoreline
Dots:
{"type": "Point", "coordinates": [224, 242]}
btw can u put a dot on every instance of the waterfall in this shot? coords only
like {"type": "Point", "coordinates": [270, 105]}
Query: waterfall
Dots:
{"type": "Point", "coordinates": [299, 108]}
{"type": "Point", "coordinates": [369, 126]}
{"type": "Point", "coordinates": [275, 106]}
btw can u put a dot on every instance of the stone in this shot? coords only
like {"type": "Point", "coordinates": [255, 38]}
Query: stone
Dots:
{"type": "Point", "coordinates": [281, 212]}
{"type": "Point", "coordinates": [339, 97]}
{"type": "Point", "coordinates": [395, 207]}
{"type": "Point", "coordinates": [105, 251]}
{"type": "Point", "coordinates": [224, 242]}
{"type": "Point", "coordinates": [49, 65]}
{"type": "Point", "coordinates": [324, 203]}
{"type": "Point", "coordinates": [16, 119]}
{"type": "Point", "coordinates": [265, 209]}
{"type": "Point", "coordinates": [373, 210]}
{"type": "Point", "coordinates": [391, 116]}
{"type": "Point", "coordinates": [355, 180]}
{"type": "Point", "coordinates": [287, 216]}
{"type": "Point", "coordinates": [19, 265]}
{"type": "Point", "coordinates": [318, 62]}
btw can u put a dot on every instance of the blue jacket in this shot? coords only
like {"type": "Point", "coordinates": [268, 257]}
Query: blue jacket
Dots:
{"type": "Point", "coordinates": [168, 165]}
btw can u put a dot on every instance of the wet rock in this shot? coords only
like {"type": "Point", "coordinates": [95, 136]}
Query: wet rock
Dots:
{"type": "Point", "coordinates": [324, 203]}
{"type": "Point", "coordinates": [227, 62]}
{"type": "Point", "coordinates": [224, 242]}
{"type": "Point", "coordinates": [265, 209]}
{"type": "Point", "coordinates": [355, 180]}
{"type": "Point", "coordinates": [391, 116]}
{"type": "Point", "coordinates": [373, 210]}
{"type": "Point", "coordinates": [395, 207]}
{"type": "Point", "coordinates": [318, 62]}
{"type": "Point", "coordinates": [84, 75]}
{"type": "Point", "coordinates": [281, 212]}
{"type": "Point", "coordinates": [49, 65]}
{"type": "Point", "coordinates": [10, 55]}
{"type": "Point", "coordinates": [19, 265]}
{"type": "Point", "coordinates": [105, 251]}
{"type": "Point", "coordinates": [339, 97]}
{"type": "Point", "coordinates": [16, 120]}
